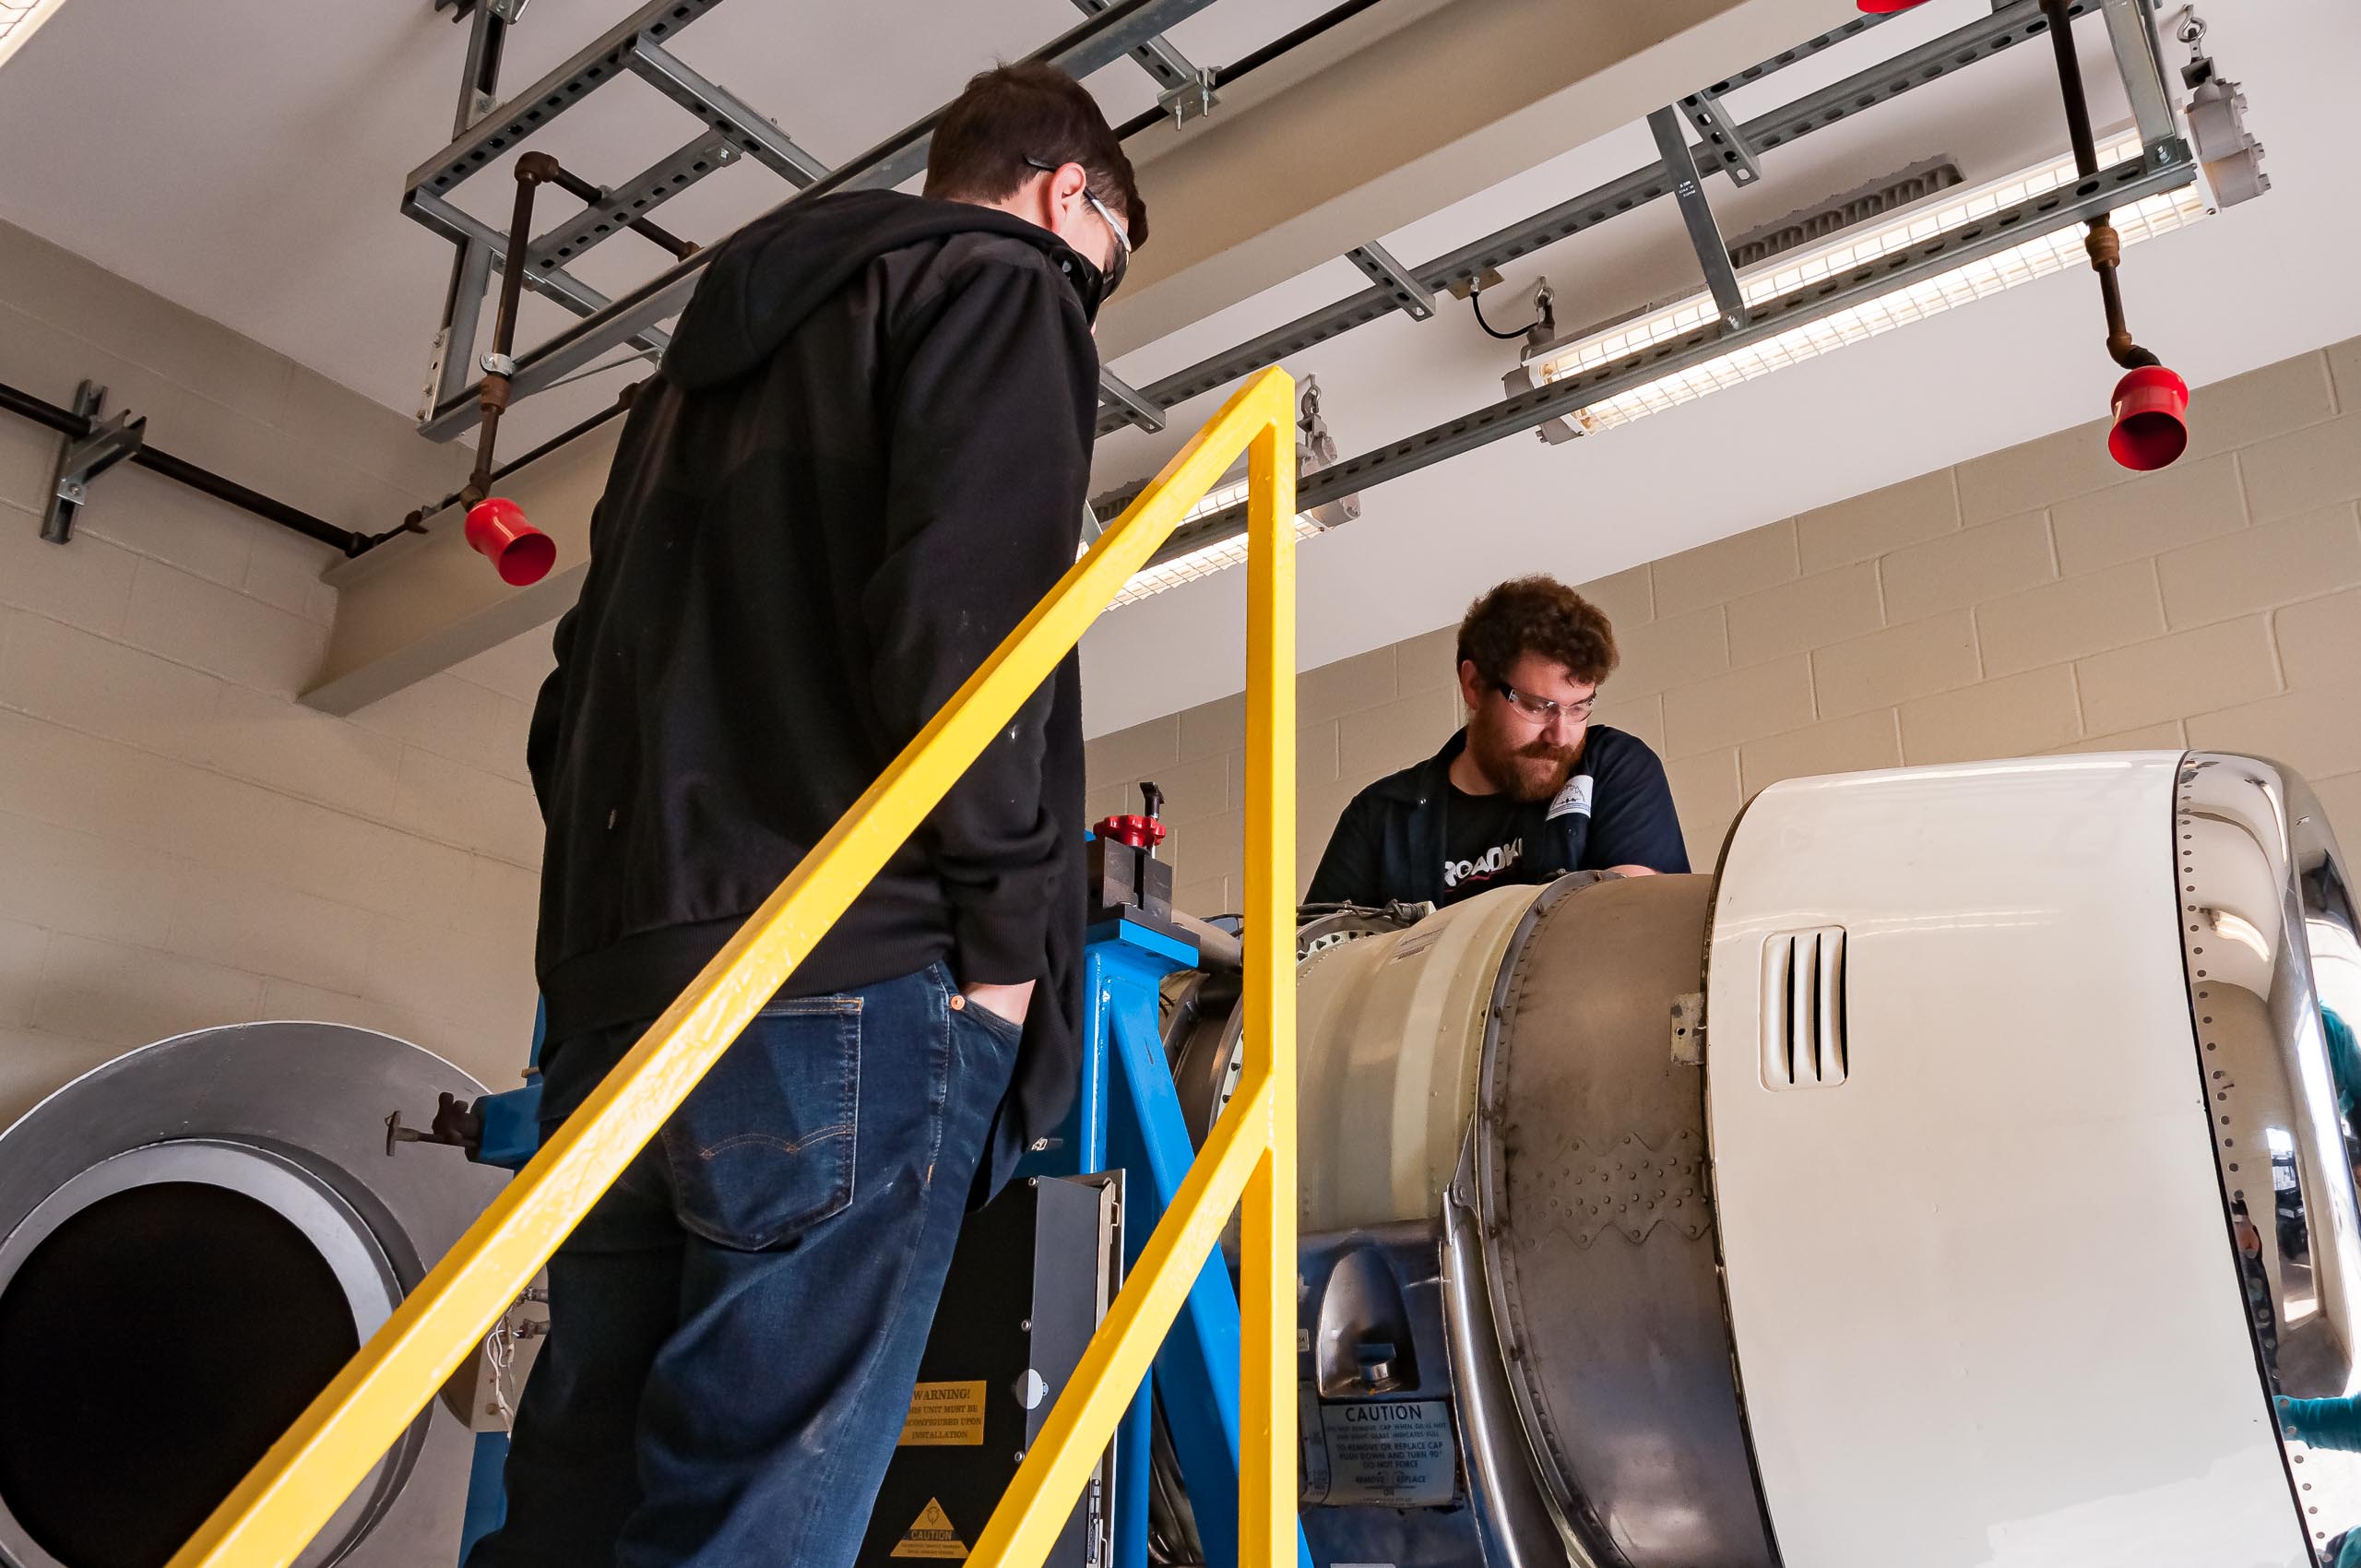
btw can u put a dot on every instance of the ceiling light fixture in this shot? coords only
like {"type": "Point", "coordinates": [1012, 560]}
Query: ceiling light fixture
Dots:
{"type": "Point", "coordinates": [19, 19]}
{"type": "Point", "coordinates": [1185, 559]}
{"type": "Point", "coordinates": [2040, 257]}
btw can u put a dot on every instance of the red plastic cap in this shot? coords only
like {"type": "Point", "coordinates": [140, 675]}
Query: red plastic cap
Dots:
{"type": "Point", "coordinates": [1139, 832]}
{"type": "Point", "coordinates": [2151, 419]}
{"type": "Point", "coordinates": [1886, 8]}
{"type": "Point", "coordinates": [497, 531]}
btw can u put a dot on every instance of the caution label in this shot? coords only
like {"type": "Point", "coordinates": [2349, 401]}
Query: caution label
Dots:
{"type": "Point", "coordinates": [945, 1415]}
{"type": "Point", "coordinates": [1399, 1454]}
{"type": "Point", "coordinates": [933, 1537]}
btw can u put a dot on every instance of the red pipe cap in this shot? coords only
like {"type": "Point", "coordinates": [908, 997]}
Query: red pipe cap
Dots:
{"type": "Point", "coordinates": [2151, 419]}
{"type": "Point", "coordinates": [497, 530]}
{"type": "Point", "coordinates": [1886, 8]}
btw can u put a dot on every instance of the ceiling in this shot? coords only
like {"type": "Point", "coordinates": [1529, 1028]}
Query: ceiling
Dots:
{"type": "Point", "coordinates": [245, 157]}
{"type": "Point", "coordinates": [248, 166]}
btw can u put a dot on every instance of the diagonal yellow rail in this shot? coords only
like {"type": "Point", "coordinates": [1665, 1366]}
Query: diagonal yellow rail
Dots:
{"type": "Point", "coordinates": [307, 1474]}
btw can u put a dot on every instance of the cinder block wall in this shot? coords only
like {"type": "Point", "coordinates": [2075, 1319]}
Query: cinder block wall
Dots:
{"type": "Point", "coordinates": [181, 843]}
{"type": "Point", "coordinates": [2035, 599]}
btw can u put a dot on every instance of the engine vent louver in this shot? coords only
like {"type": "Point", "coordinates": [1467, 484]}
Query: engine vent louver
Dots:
{"type": "Point", "coordinates": [1803, 1009]}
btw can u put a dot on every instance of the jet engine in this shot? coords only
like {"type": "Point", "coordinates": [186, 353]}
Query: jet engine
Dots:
{"type": "Point", "coordinates": [1961, 1175]}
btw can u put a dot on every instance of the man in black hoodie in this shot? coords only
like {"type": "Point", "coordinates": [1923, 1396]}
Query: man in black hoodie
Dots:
{"type": "Point", "coordinates": [862, 463]}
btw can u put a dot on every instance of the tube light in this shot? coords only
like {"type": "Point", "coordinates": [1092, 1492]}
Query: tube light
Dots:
{"type": "Point", "coordinates": [2039, 257]}
{"type": "Point", "coordinates": [19, 19]}
{"type": "Point", "coordinates": [1206, 560]}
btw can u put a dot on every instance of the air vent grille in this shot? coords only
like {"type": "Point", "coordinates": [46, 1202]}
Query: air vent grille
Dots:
{"type": "Point", "coordinates": [1803, 1009]}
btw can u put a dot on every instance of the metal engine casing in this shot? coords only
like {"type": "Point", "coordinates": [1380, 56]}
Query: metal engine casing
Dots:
{"type": "Point", "coordinates": [292, 1116]}
{"type": "Point", "coordinates": [1944, 1239]}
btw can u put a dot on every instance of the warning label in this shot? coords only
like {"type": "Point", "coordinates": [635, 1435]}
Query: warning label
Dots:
{"type": "Point", "coordinates": [945, 1415]}
{"type": "Point", "coordinates": [933, 1537]}
{"type": "Point", "coordinates": [1399, 1455]}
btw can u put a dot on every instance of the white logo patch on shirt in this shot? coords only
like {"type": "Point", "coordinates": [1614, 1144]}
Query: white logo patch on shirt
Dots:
{"type": "Point", "coordinates": [1572, 801]}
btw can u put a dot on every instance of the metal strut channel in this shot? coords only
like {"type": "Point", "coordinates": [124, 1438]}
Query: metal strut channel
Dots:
{"type": "Point", "coordinates": [2132, 30]}
{"type": "Point", "coordinates": [597, 63]}
{"type": "Point", "coordinates": [1165, 66]}
{"type": "Point", "coordinates": [1410, 296]}
{"type": "Point", "coordinates": [1705, 234]}
{"type": "Point", "coordinates": [1724, 145]}
{"type": "Point", "coordinates": [1137, 410]}
{"type": "Point", "coordinates": [721, 108]}
{"type": "Point", "coordinates": [1101, 41]}
{"type": "Point", "coordinates": [1978, 40]}
{"type": "Point", "coordinates": [643, 195]}
{"type": "Point", "coordinates": [2120, 185]}
{"type": "Point", "coordinates": [551, 282]}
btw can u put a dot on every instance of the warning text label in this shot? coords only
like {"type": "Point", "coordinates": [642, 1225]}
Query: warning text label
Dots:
{"type": "Point", "coordinates": [945, 1415]}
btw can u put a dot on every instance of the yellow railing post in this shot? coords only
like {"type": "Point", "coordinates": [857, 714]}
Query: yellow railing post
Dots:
{"type": "Point", "coordinates": [1266, 1300]}
{"type": "Point", "coordinates": [298, 1485]}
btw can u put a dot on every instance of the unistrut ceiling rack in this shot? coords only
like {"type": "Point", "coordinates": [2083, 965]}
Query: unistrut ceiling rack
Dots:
{"type": "Point", "coordinates": [638, 45]}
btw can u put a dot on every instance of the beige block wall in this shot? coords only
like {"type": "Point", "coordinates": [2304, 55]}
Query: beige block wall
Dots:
{"type": "Point", "coordinates": [2034, 600]}
{"type": "Point", "coordinates": [183, 844]}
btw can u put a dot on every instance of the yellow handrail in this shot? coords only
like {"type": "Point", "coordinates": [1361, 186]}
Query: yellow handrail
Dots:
{"type": "Point", "coordinates": [307, 1474]}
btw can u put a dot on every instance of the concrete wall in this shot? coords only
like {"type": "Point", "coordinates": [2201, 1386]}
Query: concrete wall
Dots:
{"type": "Point", "coordinates": [181, 843]}
{"type": "Point", "coordinates": [2034, 599]}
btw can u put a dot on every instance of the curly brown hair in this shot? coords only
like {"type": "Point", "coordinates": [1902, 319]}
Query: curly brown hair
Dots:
{"type": "Point", "coordinates": [1538, 614]}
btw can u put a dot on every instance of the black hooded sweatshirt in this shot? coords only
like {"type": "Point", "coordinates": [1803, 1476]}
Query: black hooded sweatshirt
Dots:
{"type": "Point", "coordinates": [861, 465]}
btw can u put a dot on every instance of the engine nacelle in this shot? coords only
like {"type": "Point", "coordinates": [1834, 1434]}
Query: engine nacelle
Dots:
{"type": "Point", "coordinates": [2004, 1188]}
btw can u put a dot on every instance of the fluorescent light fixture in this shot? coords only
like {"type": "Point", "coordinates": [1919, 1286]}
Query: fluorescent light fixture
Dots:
{"type": "Point", "coordinates": [19, 19]}
{"type": "Point", "coordinates": [1207, 559]}
{"type": "Point", "coordinates": [2039, 257]}
{"type": "Point", "coordinates": [1314, 451]}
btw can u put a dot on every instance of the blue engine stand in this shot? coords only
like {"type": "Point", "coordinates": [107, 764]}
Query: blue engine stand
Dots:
{"type": "Point", "coordinates": [1127, 1116]}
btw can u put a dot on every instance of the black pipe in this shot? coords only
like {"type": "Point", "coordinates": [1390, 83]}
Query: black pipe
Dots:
{"type": "Point", "coordinates": [73, 426]}
{"type": "Point", "coordinates": [1246, 64]}
{"type": "Point", "coordinates": [590, 195]}
{"type": "Point", "coordinates": [582, 427]}
{"type": "Point", "coordinates": [531, 170]}
{"type": "Point", "coordinates": [2102, 242]}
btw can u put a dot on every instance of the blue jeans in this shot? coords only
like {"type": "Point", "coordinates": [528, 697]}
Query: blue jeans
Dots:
{"type": "Point", "coordinates": [735, 1328]}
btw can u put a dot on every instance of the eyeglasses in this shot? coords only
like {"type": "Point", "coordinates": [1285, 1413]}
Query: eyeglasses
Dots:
{"type": "Point", "coordinates": [1121, 262]}
{"type": "Point", "coordinates": [1541, 709]}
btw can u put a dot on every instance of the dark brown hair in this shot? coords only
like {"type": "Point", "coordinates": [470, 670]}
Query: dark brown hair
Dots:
{"type": "Point", "coordinates": [1030, 110]}
{"type": "Point", "coordinates": [1538, 616]}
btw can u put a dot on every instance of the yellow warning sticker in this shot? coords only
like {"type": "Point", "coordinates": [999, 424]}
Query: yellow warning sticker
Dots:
{"type": "Point", "coordinates": [933, 1537]}
{"type": "Point", "coordinates": [945, 1415]}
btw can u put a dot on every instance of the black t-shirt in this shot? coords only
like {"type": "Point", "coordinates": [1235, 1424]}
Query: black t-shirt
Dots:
{"type": "Point", "coordinates": [1614, 807]}
{"type": "Point", "coordinates": [1484, 838]}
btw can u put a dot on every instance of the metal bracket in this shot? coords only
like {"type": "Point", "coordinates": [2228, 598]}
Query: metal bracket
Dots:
{"type": "Point", "coordinates": [1713, 254]}
{"type": "Point", "coordinates": [724, 111]}
{"type": "Point", "coordinates": [1190, 100]}
{"type": "Point", "coordinates": [86, 457]}
{"type": "Point", "coordinates": [1412, 297]}
{"type": "Point", "coordinates": [1135, 409]}
{"type": "Point", "coordinates": [450, 372]}
{"type": "Point", "coordinates": [2134, 35]}
{"type": "Point", "coordinates": [1474, 283]}
{"type": "Point", "coordinates": [1165, 64]}
{"type": "Point", "coordinates": [1689, 1029]}
{"type": "Point", "coordinates": [1724, 140]}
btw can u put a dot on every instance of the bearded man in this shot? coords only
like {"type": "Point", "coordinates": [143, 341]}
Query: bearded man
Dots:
{"type": "Point", "coordinates": [1530, 789]}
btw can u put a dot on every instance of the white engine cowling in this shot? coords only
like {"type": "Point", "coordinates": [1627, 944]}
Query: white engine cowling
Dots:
{"type": "Point", "coordinates": [2009, 1176]}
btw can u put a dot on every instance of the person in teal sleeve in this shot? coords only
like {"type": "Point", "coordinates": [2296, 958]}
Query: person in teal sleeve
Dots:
{"type": "Point", "coordinates": [2333, 1423]}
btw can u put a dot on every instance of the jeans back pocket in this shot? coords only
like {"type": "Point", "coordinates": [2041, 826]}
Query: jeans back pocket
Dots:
{"type": "Point", "coordinates": [763, 1149]}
